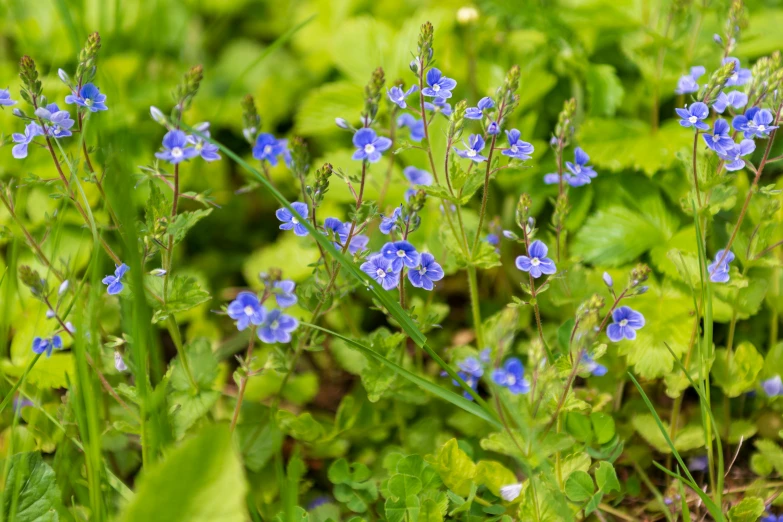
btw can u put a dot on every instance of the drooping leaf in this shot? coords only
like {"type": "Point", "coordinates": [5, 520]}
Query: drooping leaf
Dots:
{"type": "Point", "coordinates": [30, 490]}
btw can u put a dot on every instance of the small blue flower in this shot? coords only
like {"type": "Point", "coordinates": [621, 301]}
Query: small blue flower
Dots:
{"type": "Point", "coordinates": [735, 99]}
{"type": "Point", "coordinates": [687, 84]}
{"type": "Point", "coordinates": [471, 366]}
{"type": "Point", "coordinates": [517, 148]}
{"type": "Point", "coordinates": [176, 148]}
{"type": "Point", "coordinates": [246, 309]}
{"type": "Point", "coordinates": [426, 273]}
{"type": "Point", "coordinates": [698, 463]}
{"type": "Point", "coordinates": [19, 151]}
{"type": "Point", "coordinates": [416, 126]}
{"type": "Point", "coordinates": [439, 105]}
{"type": "Point", "coordinates": [41, 345]}
{"type": "Point", "coordinates": [626, 322]}
{"type": "Point", "coordinates": [582, 172]}
{"type": "Point", "coordinates": [469, 379]}
{"type": "Point", "coordinates": [291, 222]}
{"type": "Point", "coordinates": [772, 518]}
{"type": "Point", "coordinates": [754, 123]}
{"type": "Point", "coordinates": [284, 293]}
{"type": "Point", "coordinates": [536, 263]}
{"type": "Point", "coordinates": [476, 113]}
{"type": "Point", "coordinates": [593, 367]}
{"type": "Point", "coordinates": [693, 115]}
{"type": "Point", "coordinates": [369, 145]}
{"type": "Point", "coordinates": [740, 76]}
{"type": "Point", "coordinates": [608, 281]}
{"type": "Point", "coordinates": [733, 156]}
{"type": "Point", "coordinates": [512, 376]}
{"type": "Point", "coordinates": [493, 239]}
{"type": "Point", "coordinates": [493, 128]}
{"type": "Point", "coordinates": [719, 139]}
{"type": "Point", "coordinates": [485, 355]}
{"type": "Point", "coordinates": [58, 123]}
{"type": "Point", "coordinates": [205, 149]}
{"type": "Point", "coordinates": [380, 269]}
{"type": "Point", "coordinates": [119, 362]}
{"type": "Point", "coordinates": [719, 273]}
{"type": "Point", "coordinates": [474, 146]}
{"type": "Point", "coordinates": [773, 386]}
{"type": "Point", "coordinates": [438, 86]}
{"type": "Point", "coordinates": [5, 98]}
{"type": "Point", "coordinates": [397, 95]}
{"type": "Point", "coordinates": [416, 177]}
{"type": "Point", "coordinates": [388, 224]}
{"type": "Point", "coordinates": [268, 148]}
{"type": "Point", "coordinates": [400, 253]}
{"type": "Point", "coordinates": [114, 283]}
{"type": "Point", "coordinates": [277, 327]}
{"type": "Point", "coordinates": [90, 97]}
{"type": "Point", "coordinates": [359, 243]}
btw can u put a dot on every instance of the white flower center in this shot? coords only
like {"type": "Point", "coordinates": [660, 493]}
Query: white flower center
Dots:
{"type": "Point", "coordinates": [88, 102]}
{"type": "Point", "coordinates": [514, 148]}
{"type": "Point", "coordinates": [578, 168]}
{"type": "Point", "coordinates": [436, 87]}
{"type": "Point", "coordinates": [176, 152]}
{"type": "Point", "coordinates": [715, 137]}
{"type": "Point", "coordinates": [762, 128]}
{"type": "Point", "coordinates": [735, 77]}
{"type": "Point", "coordinates": [56, 131]}
{"type": "Point", "coordinates": [381, 272]}
{"type": "Point", "coordinates": [268, 149]}
{"type": "Point", "coordinates": [693, 119]}
{"type": "Point", "coordinates": [369, 148]}
{"type": "Point", "coordinates": [624, 322]}
{"type": "Point", "coordinates": [422, 270]}
{"type": "Point", "coordinates": [294, 221]}
{"type": "Point", "coordinates": [248, 310]}
{"type": "Point", "coordinates": [471, 153]}
{"type": "Point", "coordinates": [401, 253]}
{"type": "Point", "coordinates": [511, 380]}
{"type": "Point", "coordinates": [199, 145]}
{"type": "Point", "coordinates": [535, 261]}
{"type": "Point", "coordinates": [275, 325]}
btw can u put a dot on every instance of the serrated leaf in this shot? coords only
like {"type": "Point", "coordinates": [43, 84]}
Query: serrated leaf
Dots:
{"type": "Point", "coordinates": [749, 509]}
{"type": "Point", "coordinates": [31, 490]}
{"type": "Point", "coordinates": [184, 221]}
{"type": "Point", "coordinates": [736, 373]}
{"type": "Point", "coordinates": [455, 468]}
{"type": "Point", "coordinates": [579, 487]}
{"type": "Point", "coordinates": [302, 427]}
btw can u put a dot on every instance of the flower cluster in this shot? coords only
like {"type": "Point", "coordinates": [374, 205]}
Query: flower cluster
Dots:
{"type": "Point", "coordinates": [272, 326]}
{"type": "Point", "coordinates": [386, 266]}
{"type": "Point", "coordinates": [579, 172]}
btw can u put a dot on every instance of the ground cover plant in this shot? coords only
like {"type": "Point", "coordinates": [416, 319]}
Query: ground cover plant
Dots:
{"type": "Point", "coordinates": [341, 261]}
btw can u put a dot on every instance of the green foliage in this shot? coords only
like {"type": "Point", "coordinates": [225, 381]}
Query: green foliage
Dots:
{"type": "Point", "coordinates": [31, 492]}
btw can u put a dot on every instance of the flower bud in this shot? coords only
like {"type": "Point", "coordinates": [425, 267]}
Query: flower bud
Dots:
{"type": "Point", "coordinates": [64, 77]}
{"type": "Point", "coordinates": [342, 123]}
{"type": "Point", "coordinates": [63, 287]}
{"type": "Point", "coordinates": [119, 363]}
{"type": "Point", "coordinates": [158, 272]}
{"type": "Point", "coordinates": [157, 115]}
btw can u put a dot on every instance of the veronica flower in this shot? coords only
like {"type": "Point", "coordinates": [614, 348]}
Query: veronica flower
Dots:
{"type": "Point", "coordinates": [277, 327]}
{"type": "Point", "coordinates": [119, 362]}
{"type": "Point", "coordinates": [733, 156]}
{"type": "Point", "coordinates": [512, 376]}
{"type": "Point", "coordinates": [476, 113]}
{"type": "Point", "coordinates": [58, 122]}
{"type": "Point", "coordinates": [284, 293]}
{"type": "Point", "coordinates": [246, 309]}
{"type": "Point", "coordinates": [205, 149]}
{"type": "Point", "coordinates": [438, 86]}
{"type": "Point", "coordinates": [511, 492]}
{"type": "Point", "coordinates": [719, 139]}
{"type": "Point", "coordinates": [23, 140]}
{"type": "Point", "coordinates": [400, 253]}
{"type": "Point", "coordinates": [687, 84]}
{"type": "Point", "coordinates": [114, 283]}
{"type": "Point", "coordinates": [474, 146]}
{"type": "Point", "coordinates": [90, 97]}
{"type": "Point", "coordinates": [773, 386]}
{"type": "Point", "coordinates": [493, 128]}
{"type": "Point", "coordinates": [176, 148]}
{"type": "Point", "coordinates": [416, 126]}
{"type": "Point", "coordinates": [292, 222]}
{"type": "Point", "coordinates": [380, 269]}
{"type": "Point", "coordinates": [740, 76]}
{"type": "Point", "coordinates": [536, 261]}
{"type": "Point", "coordinates": [719, 273]}
{"type": "Point", "coordinates": [626, 322]}
{"type": "Point", "coordinates": [268, 148]}
{"type": "Point", "coordinates": [593, 367]}
{"type": "Point", "coordinates": [46, 345]}
{"type": "Point", "coordinates": [754, 123]}
{"type": "Point", "coordinates": [492, 239]}
{"type": "Point", "coordinates": [735, 99]}
{"type": "Point", "coordinates": [553, 178]}
{"type": "Point", "coordinates": [693, 115]}
{"type": "Point", "coordinates": [427, 272]}
{"type": "Point", "coordinates": [358, 243]}
{"type": "Point", "coordinates": [392, 222]}
{"type": "Point", "coordinates": [369, 145]}
{"type": "Point", "coordinates": [699, 463]}
{"type": "Point", "coordinates": [469, 379]}
{"type": "Point", "coordinates": [471, 366]}
{"type": "Point", "coordinates": [517, 148]}
{"type": "Point", "coordinates": [580, 169]}
{"type": "Point", "coordinates": [771, 518]}
{"type": "Point", "coordinates": [397, 95]}
{"type": "Point", "coordinates": [5, 98]}
{"type": "Point", "coordinates": [439, 105]}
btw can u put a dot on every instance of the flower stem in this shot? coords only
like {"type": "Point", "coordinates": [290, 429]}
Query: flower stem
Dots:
{"type": "Point", "coordinates": [243, 381]}
{"type": "Point", "coordinates": [475, 305]}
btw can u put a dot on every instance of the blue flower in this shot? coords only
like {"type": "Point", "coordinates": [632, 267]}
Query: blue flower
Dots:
{"type": "Point", "coordinates": [41, 345]}
{"type": "Point", "coordinates": [397, 95]}
{"type": "Point", "coordinates": [626, 322]}
{"type": "Point", "coordinates": [536, 263]}
{"type": "Point", "coordinates": [512, 376]}
{"type": "Point", "coordinates": [340, 232]}
{"type": "Point", "coordinates": [580, 169]}
{"type": "Point", "coordinates": [58, 122]}
{"type": "Point", "coordinates": [114, 283]}
{"type": "Point", "coordinates": [493, 128]}
{"type": "Point", "coordinates": [493, 239]}
{"type": "Point", "coordinates": [291, 222]}
{"type": "Point", "coordinates": [693, 115]}
{"type": "Point", "coordinates": [517, 148]}
{"type": "Point", "coordinates": [772, 518]}
{"type": "Point", "coordinates": [698, 463]}
{"type": "Point", "coordinates": [740, 76]}
{"type": "Point", "coordinates": [284, 293]}
{"type": "Point", "coordinates": [119, 362]}
{"type": "Point", "coordinates": [392, 222]}
{"type": "Point", "coordinates": [90, 97]}
{"type": "Point", "coordinates": [593, 367]}
{"type": "Point", "coordinates": [205, 149]}
{"type": "Point", "coordinates": [5, 98]}
{"type": "Point", "coordinates": [469, 379]}
{"type": "Point", "coordinates": [359, 243]}
{"type": "Point", "coordinates": [474, 146]}
{"type": "Point", "coordinates": [754, 123]}
{"type": "Point", "coordinates": [608, 281]}
{"type": "Point", "coordinates": [369, 145]}
{"type": "Point", "coordinates": [735, 99]}
{"type": "Point", "coordinates": [719, 140]}
{"type": "Point", "coordinates": [485, 355]}
{"type": "Point", "coordinates": [380, 269]}
{"type": "Point", "coordinates": [719, 273]}
{"type": "Point", "coordinates": [277, 327]}
{"type": "Point", "coordinates": [400, 253]}
{"type": "Point", "coordinates": [471, 366]}
{"type": "Point", "coordinates": [427, 272]}
{"type": "Point", "coordinates": [246, 309]}
{"type": "Point", "coordinates": [438, 86]}
{"type": "Point", "coordinates": [23, 140]}
{"type": "Point", "coordinates": [268, 148]}
{"type": "Point", "coordinates": [476, 113]}
{"type": "Point", "coordinates": [416, 126]}
{"type": "Point", "coordinates": [176, 148]}
{"type": "Point", "coordinates": [687, 84]}
{"type": "Point", "coordinates": [773, 386]}
{"type": "Point", "coordinates": [439, 105]}
{"type": "Point", "coordinates": [733, 156]}
{"type": "Point", "coordinates": [416, 177]}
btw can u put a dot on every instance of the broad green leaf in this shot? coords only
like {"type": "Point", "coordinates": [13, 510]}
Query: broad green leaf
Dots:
{"type": "Point", "coordinates": [416, 466]}
{"type": "Point", "coordinates": [430, 512]}
{"type": "Point", "coordinates": [30, 490]}
{"type": "Point", "coordinates": [184, 222]}
{"type": "Point", "coordinates": [736, 373]}
{"type": "Point", "coordinates": [455, 468]}
{"type": "Point", "coordinates": [186, 409]}
{"type": "Point", "coordinates": [606, 478]}
{"type": "Point", "coordinates": [772, 453]}
{"type": "Point", "coordinates": [302, 427]}
{"type": "Point", "coordinates": [353, 485]}
{"type": "Point", "coordinates": [493, 475]}
{"type": "Point", "coordinates": [579, 487]}
{"type": "Point", "coordinates": [749, 509]}
{"type": "Point", "coordinates": [184, 293]}
{"type": "Point", "coordinates": [688, 438]}
{"type": "Point", "coordinates": [203, 366]}
{"type": "Point", "coordinates": [402, 486]}
{"type": "Point", "coordinates": [605, 90]}
{"type": "Point", "coordinates": [376, 378]}
{"type": "Point", "coordinates": [258, 438]}
{"type": "Point", "coordinates": [603, 427]}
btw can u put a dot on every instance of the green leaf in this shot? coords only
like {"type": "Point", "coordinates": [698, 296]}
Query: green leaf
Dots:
{"type": "Point", "coordinates": [493, 475]}
{"type": "Point", "coordinates": [202, 362]}
{"type": "Point", "coordinates": [184, 293]}
{"type": "Point", "coordinates": [687, 438]}
{"type": "Point", "coordinates": [772, 453]}
{"type": "Point", "coordinates": [606, 478]}
{"type": "Point", "coordinates": [30, 490]}
{"type": "Point", "coordinates": [196, 473]}
{"type": "Point", "coordinates": [303, 427]}
{"type": "Point", "coordinates": [376, 377]}
{"type": "Point", "coordinates": [353, 485]}
{"type": "Point", "coordinates": [416, 466]}
{"type": "Point", "coordinates": [748, 510]}
{"type": "Point", "coordinates": [603, 427]}
{"type": "Point", "coordinates": [579, 487]}
{"type": "Point", "coordinates": [430, 512]}
{"type": "Point", "coordinates": [184, 222]}
{"type": "Point", "coordinates": [259, 439]}
{"type": "Point", "coordinates": [737, 373]}
{"type": "Point", "coordinates": [605, 90]}
{"type": "Point", "coordinates": [318, 107]}
{"type": "Point", "coordinates": [455, 468]}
